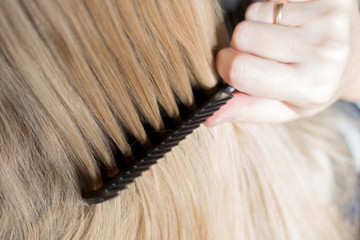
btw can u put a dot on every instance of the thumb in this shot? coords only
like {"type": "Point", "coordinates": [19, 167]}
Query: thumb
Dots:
{"type": "Point", "coordinates": [246, 108]}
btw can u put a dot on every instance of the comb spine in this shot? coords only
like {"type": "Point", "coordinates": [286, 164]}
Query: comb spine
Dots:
{"type": "Point", "coordinates": [122, 179]}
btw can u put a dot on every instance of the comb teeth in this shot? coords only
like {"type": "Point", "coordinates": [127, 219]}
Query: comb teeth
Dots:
{"type": "Point", "coordinates": [122, 179]}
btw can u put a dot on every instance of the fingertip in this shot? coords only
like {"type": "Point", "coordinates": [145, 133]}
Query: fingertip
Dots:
{"type": "Point", "coordinates": [249, 109]}
{"type": "Point", "coordinates": [240, 36]}
{"type": "Point", "coordinates": [252, 11]}
{"type": "Point", "coordinates": [211, 122]}
{"type": "Point", "coordinates": [216, 118]}
{"type": "Point", "coordinates": [230, 111]}
{"type": "Point", "coordinates": [224, 60]}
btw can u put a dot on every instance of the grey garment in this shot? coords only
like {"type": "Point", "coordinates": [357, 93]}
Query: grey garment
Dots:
{"type": "Point", "coordinates": [351, 108]}
{"type": "Point", "coordinates": [354, 213]}
{"type": "Point", "coordinates": [229, 5]}
{"type": "Point", "coordinates": [351, 135]}
{"type": "Point", "coordinates": [351, 131]}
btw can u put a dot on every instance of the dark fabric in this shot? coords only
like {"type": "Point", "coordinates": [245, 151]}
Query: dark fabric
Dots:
{"type": "Point", "coordinates": [355, 208]}
{"type": "Point", "coordinates": [351, 108]}
{"type": "Point", "coordinates": [230, 5]}
{"type": "Point", "coordinates": [235, 12]}
{"type": "Point", "coordinates": [353, 211]}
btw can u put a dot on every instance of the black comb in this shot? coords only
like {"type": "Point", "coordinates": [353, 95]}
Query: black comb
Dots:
{"type": "Point", "coordinates": [119, 182]}
{"type": "Point", "coordinates": [235, 12]}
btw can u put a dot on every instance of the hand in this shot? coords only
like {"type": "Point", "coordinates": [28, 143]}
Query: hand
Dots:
{"type": "Point", "coordinates": [295, 69]}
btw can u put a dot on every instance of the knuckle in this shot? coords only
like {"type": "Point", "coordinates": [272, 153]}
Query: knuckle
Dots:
{"type": "Point", "coordinates": [332, 52]}
{"type": "Point", "coordinates": [338, 25]}
{"type": "Point", "coordinates": [345, 4]}
{"type": "Point", "coordinates": [341, 4]}
{"type": "Point", "coordinates": [316, 96]}
{"type": "Point", "coordinates": [333, 41]}
{"type": "Point", "coordinates": [323, 92]}
{"type": "Point", "coordinates": [333, 45]}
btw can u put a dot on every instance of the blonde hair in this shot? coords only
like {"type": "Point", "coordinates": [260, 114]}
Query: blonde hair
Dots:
{"type": "Point", "coordinates": [79, 77]}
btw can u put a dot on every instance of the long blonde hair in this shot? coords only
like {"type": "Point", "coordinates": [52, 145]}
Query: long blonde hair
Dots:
{"type": "Point", "coordinates": [78, 77]}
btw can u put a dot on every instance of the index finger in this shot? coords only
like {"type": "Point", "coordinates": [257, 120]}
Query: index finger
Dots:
{"type": "Point", "coordinates": [260, 77]}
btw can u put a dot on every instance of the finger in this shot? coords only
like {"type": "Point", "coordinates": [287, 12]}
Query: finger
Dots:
{"type": "Point", "coordinates": [275, 42]}
{"type": "Point", "coordinates": [260, 77]}
{"type": "Point", "coordinates": [246, 108]}
{"type": "Point", "coordinates": [293, 13]}
{"type": "Point", "coordinates": [287, 1]}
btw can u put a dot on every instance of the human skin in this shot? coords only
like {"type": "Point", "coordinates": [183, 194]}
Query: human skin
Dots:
{"type": "Point", "coordinates": [295, 69]}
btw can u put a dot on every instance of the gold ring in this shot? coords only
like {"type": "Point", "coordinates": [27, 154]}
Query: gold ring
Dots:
{"type": "Point", "coordinates": [277, 12]}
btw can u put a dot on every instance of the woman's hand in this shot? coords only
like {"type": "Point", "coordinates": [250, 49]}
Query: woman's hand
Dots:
{"type": "Point", "coordinates": [294, 69]}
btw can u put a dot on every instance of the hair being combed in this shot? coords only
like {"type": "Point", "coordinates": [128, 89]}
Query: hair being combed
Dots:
{"type": "Point", "coordinates": [76, 77]}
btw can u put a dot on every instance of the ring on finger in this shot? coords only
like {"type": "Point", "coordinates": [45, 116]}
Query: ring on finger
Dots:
{"type": "Point", "coordinates": [278, 12]}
